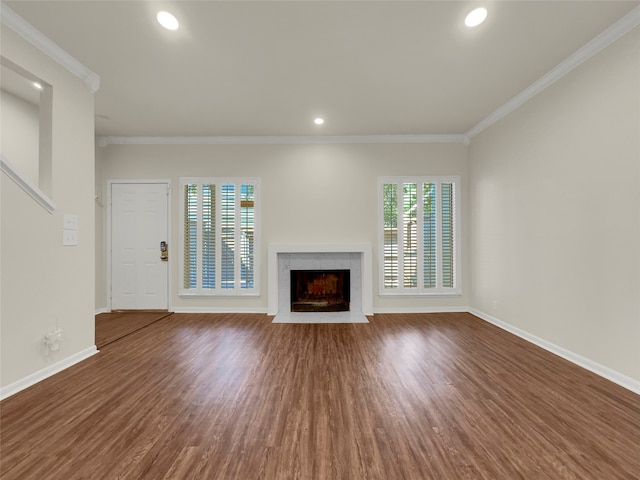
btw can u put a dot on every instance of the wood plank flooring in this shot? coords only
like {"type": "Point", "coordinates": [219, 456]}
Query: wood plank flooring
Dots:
{"type": "Point", "coordinates": [113, 326]}
{"type": "Point", "coordinates": [228, 396]}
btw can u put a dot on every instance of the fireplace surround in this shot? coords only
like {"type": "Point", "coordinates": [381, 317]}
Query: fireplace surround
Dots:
{"type": "Point", "coordinates": [356, 258]}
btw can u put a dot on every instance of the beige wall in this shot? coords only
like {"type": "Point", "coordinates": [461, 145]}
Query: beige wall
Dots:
{"type": "Point", "coordinates": [44, 284]}
{"type": "Point", "coordinates": [309, 194]}
{"type": "Point", "coordinates": [19, 135]}
{"type": "Point", "coordinates": [555, 212]}
{"type": "Point", "coordinates": [100, 210]}
{"type": "Point", "coordinates": [550, 214]}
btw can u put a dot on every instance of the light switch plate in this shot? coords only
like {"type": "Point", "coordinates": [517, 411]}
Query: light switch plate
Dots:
{"type": "Point", "coordinates": [69, 237]}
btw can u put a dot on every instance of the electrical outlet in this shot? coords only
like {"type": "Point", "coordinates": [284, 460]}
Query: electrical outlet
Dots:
{"type": "Point", "coordinates": [70, 222]}
{"type": "Point", "coordinates": [52, 340]}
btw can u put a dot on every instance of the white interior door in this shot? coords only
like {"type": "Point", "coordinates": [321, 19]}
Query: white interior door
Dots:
{"type": "Point", "coordinates": [139, 223]}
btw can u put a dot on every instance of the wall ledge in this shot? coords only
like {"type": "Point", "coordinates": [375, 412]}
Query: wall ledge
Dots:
{"type": "Point", "coordinates": [34, 192]}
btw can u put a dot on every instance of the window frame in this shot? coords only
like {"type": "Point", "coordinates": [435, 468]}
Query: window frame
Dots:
{"type": "Point", "coordinates": [420, 290]}
{"type": "Point", "coordinates": [237, 290]}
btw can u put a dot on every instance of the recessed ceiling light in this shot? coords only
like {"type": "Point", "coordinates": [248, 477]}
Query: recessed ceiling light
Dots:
{"type": "Point", "coordinates": [319, 121]}
{"type": "Point", "coordinates": [37, 86]}
{"type": "Point", "coordinates": [167, 20]}
{"type": "Point", "coordinates": [476, 17]}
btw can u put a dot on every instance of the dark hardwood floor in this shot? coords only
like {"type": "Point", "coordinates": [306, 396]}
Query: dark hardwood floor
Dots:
{"type": "Point", "coordinates": [420, 396]}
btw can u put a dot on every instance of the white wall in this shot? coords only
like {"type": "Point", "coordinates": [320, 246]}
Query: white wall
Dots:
{"type": "Point", "coordinates": [44, 284]}
{"type": "Point", "coordinates": [20, 135]}
{"type": "Point", "coordinates": [309, 194]}
{"type": "Point", "coordinates": [555, 213]}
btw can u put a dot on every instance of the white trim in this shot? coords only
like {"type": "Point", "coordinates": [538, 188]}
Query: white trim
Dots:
{"type": "Point", "coordinates": [205, 294]}
{"type": "Point", "coordinates": [47, 372]}
{"type": "Point", "coordinates": [261, 310]}
{"type": "Point", "coordinates": [282, 140]}
{"type": "Point", "coordinates": [590, 49]}
{"type": "Point", "coordinates": [392, 310]}
{"type": "Point", "coordinates": [167, 182]}
{"type": "Point", "coordinates": [630, 21]}
{"type": "Point", "coordinates": [272, 269]}
{"type": "Point", "coordinates": [605, 372]}
{"type": "Point", "coordinates": [101, 310]}
{"type": "Point", "coordinates": [407, 293]}
{"type": "Point", "coordinates": [15, 22]}
{"type": "Point", "coordinates": [34, 192]}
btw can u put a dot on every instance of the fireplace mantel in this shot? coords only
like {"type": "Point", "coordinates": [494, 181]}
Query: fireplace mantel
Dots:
{"type": "Point", "coordinates": [279, 248]}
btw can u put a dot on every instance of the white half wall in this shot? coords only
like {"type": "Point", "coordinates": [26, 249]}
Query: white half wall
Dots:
{"type": "Point", "coordinates": [45, 285]}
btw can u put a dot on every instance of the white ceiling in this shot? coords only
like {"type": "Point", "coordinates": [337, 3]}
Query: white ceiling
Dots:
{"type": "Point", "coordinates": [240, 68]}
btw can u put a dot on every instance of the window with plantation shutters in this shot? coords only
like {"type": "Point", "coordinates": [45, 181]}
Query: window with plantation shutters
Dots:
{"type": "Point", "coordinates": [419, 236]}
{"type": "Point", "coordinates": [219, 218]}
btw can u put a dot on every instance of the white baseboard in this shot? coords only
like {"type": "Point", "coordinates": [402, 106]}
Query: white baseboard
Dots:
{"type": "Point", "coordinates": [421, 310]}
{"type": "Point", "coordinates": [40, 375]}
{"type": "Point", "coordinates": [102, 310]}
{"type": "Point", "coordinates": [218, 310]}
{"type": "Point", "coordinates": [606, 372]}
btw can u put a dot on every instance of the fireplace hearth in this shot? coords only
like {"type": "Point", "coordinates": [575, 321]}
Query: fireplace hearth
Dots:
{"type": "Point", "coordinates": [320, 290]}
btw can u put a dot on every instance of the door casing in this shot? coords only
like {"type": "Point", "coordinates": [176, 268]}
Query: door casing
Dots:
{"type": "Point", "coordinates": [109, 232]}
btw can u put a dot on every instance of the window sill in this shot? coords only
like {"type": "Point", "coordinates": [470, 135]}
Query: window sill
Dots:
{"type": "Point", "coordinates": [218, 295]}
{"type": "Point", "coordinates": [387, 294]}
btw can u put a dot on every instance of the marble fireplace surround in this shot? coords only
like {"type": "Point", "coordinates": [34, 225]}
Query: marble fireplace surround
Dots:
{"type": "Point", "coordinates": [282, 258]}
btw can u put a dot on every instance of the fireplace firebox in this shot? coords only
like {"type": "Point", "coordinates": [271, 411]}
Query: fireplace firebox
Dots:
{"type": "Point", "coordinates": [320, 290]}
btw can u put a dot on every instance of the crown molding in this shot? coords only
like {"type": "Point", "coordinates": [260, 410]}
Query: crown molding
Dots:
{"type": "Point", "coordinates": [282, 140]}
{"type": "Point", "coordinates": [92, 81]}
{"type": "Point", "coordinates": [590, 49]}
{"type": "Point", "coordinates": [12, 20]}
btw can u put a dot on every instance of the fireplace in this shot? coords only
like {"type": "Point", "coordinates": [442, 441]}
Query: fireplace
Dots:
{"type": "Point", "coordinates": [320, 290]}
{"type": "Point", "coordinates": [282, 258]}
